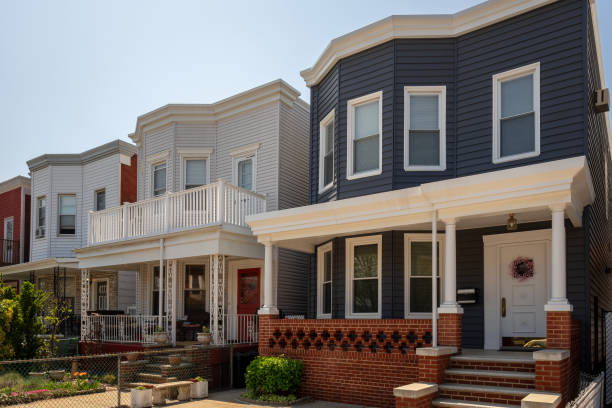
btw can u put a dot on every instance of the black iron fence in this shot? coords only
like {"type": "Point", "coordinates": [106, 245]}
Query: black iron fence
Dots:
{"type": "Point", "coordinates": [10, 252]}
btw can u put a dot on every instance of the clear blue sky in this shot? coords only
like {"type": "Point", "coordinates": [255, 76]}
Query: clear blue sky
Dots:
{"type": "Point", "coordinates": [76, 74]}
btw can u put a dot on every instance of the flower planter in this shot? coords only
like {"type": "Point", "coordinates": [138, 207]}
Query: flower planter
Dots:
{"type": "Point", "coordinates": [161, 337]}
{"type": "Point", "coordinates": [204, 338]}
{"type": "Point", "coordinates": [174, 360]}
{"type": "Point", "coordinates": [141, 398]}
{"type": "Point", "coordinates": [132, 356]}
{"type": "Point", "coordinates": [199, 389]}
{"type": "Point", "coordinates": [56, 375]}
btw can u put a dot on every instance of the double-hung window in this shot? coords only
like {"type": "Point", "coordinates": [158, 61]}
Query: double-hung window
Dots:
{"type": "Point", "coordinates": [326, 151]}
{"type": "Point", "coordinates": [67, 214]}
{"type": "Point", "coordinates": [100, 196]}
{"type": "Point", "coordinates": [324, 281]}
{"type": "Point", "coordinates": [364, 131]}
{"type": "Point", "coordinates": [244, 166]}
{"type": "Point", "coordinates": [424, 128]}
{"type": "Point", "coordinates": [417, 266]}
{"type": "Point", "coordinates": [195, 173]}
{"type": "Point", "coordinates": [245, 172]}
{"type": "Point", "coordinates": [516, 114]}
{"type": "Point", "coordinates": [364, 270]}
{"type": "Point", "coordinates": [159, 179]}
{"type": "Point", "coordinates": [41, 212]}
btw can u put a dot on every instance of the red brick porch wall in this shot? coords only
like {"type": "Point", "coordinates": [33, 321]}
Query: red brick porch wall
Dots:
{"type": "Point", "coordinates": [358, 361]}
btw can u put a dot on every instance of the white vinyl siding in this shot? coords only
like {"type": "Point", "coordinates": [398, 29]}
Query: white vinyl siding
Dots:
{"type": "Point", "coordinates": [516, 114]}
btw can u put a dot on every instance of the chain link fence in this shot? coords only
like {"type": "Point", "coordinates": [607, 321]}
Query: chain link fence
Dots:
{"type": "Point", "coordinates": [105, 380]}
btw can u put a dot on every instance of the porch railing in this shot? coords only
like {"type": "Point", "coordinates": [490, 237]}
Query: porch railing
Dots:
{"type": "Point", "coordinates": [215, 203]}
{"type": "Point", "coordinates": [122, 328]}
{"type": "Point", "coordinates": [239, 329]}
{"type": "Point", "coordinates": [10, 252]}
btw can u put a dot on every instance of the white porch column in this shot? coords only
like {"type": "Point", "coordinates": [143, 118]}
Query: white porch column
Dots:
{"type": "Point", "coordinates": [160, 319]}
{"type": "Point", "coordinates": [434, 277]}
{"type": "Point", "coordinates": [84, 303]}
{"type": "Point", "coordinates": [558, 301]}
{"type": "Point", "coordinates": [269, 307]}
{"type": "Point", "coordinates": [449, 302]}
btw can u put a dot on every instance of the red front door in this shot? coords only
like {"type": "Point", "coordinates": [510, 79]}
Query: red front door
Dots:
{"type": "Point", "coordinates": [248, 290]}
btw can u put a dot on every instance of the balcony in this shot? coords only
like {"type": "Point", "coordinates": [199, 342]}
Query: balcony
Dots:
{"type": "Point", "coordinates": [212, 204]}
{"type": "Point", "coordinates": [10, 252]}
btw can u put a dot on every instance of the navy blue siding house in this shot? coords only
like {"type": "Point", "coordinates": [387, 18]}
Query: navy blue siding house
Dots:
{"type": "Point", "coordinates": [482, 132]}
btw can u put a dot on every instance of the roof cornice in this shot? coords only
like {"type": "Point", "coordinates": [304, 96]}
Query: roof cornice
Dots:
{"type": "Point", "coordinates": [274, 91]}
{"type": "Point", "coordinates": [15, 182]}
{"type": "Point", "coordinates": [417, 26]}
{"type": "Point", "coordinates": [76, 159]}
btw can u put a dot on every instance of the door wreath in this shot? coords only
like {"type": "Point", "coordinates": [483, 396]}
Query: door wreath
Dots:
{"type": "Point", "coordinates": [522, 268]}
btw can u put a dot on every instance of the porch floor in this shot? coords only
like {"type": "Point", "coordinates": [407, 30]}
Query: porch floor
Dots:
{"type": "Point", "coordinates": [495, 355]}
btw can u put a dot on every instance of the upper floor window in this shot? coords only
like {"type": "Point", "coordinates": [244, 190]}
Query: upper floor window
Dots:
{"type": "Point", "coordinates": [424, 128]}
{"type": "Point", "coordinates": [195, 173]}
{"type": "Point", "coordinates": [159, 179]}
{"type": "Point", "coordinates": [41, 211]}
{"type": "Point", "coordinates": [324, 281]}
{"type": "Point", "coordinates": [516, 113]}
{"type": "Point", "coordinates": [67, 214]}
{"type": "Point", "coordinates": [100, 199]}
{"type": "Point", "coordinates": [364, 131]}
{"type": "Point", "coordinates": [417, 267]}
{"type": "Point", "coordinates": [364, 270]}
{"type": "Point", "coordinates": [245, 173]}
{"type": "Point", "coordinates": [326, 151]}
{"type": "Point", "coordinates": [244, 166]}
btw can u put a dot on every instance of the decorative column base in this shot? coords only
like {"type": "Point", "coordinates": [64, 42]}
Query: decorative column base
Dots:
{"type": "Point", "coordinates": [450, 326]}
{"type": "Point", "coordinates": [433, 362]}
{"type": "Point", "coordinates": [415, 395]}
{"type": "Point", "coordinates": [558, 327]}
{"type": "Point", "coordinates": [552, 372]}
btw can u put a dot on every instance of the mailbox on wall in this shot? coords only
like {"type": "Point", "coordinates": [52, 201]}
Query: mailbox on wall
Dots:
{"type": "Point", "coordinates": [468, 296]}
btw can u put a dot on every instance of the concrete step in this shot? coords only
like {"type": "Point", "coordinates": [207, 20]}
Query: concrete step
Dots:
{"type": "Point", "coordinates": [160, 368]}
{"type": "Point", "coordinates": [522, 362]}
{"type": "Point", "coordinates": [453, 403]}
{"type": "Point", "coordinates": [496, 378]}
{"type": "Point", "coordinates": [483, 393]}
{"type": "Point", "coordinates": [155, 378]}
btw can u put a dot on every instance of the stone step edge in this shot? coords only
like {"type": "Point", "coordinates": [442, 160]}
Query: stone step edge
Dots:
{"type": "Point", "coordinates": [452, 403]}
{"type": "Point", "coordinates": [491, 373]}
{"type": "Point", "coordinates": [485, 389]}
{"type": "Point", "coordinates": [493, 359]}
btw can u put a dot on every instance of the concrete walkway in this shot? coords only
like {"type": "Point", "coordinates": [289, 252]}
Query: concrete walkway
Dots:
{"type": "Point", "coordinates": [108, 399]}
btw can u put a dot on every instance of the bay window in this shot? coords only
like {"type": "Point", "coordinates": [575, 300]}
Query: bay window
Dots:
{"type": "Point", "coordinates": [159, 179]}
{"type": "Point", "coordinates": [195, 173]}
{"type": "Point", "coordinates": [67, 214]}
{"type": "Point", "coordinates": [364, 129]}
{"type": "Point", "coordinates": [326, 151]}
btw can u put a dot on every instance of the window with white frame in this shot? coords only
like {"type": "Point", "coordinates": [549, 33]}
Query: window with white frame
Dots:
{"type": "Point", "coordinates": [196, 174]}
{"type": "Point", "coordinates": [67, 214]}
{"type": "Point", "coordinates": [417, 267]}
{"type": "Point", "coordinates": [244, 169]}
{"type": "Point", "coordinates": [516, 113]}
{"type": "Point", "coordinates": [159, 179]}
{"type": "Point", "coordinates": [326, 151]}
{"type": "Point", "coordinates": [244, 166]}
{"type": "Point", "coordinates": [100, 199]}
{"type": "Point", "coordinates": [364, 270]}
{"type": "Point", "coordinates": [324, 281]}
{"type": "Point", "coordinates": [41, 212]}
{"type": "Point", "coordinates": [364, 130]}
{"type": "Point", "coordinates": [424, 128]}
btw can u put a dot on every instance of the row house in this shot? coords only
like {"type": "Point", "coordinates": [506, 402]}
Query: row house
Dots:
{"type": "Point", "coordinates": [14, 223]}
{"type": "Point", "coordinates": [64, 189]}
{"type": "Point", "coordinates": [459, 215]}
{"type": "Point", "coordinates": [203, 168]}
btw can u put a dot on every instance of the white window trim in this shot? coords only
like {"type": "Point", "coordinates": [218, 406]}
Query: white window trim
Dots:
{"type": "Point", "coordinates": [413, 237]}
{"type": "Point", "coordinates": [321, 251]}
{"type": "Point", "coordinates": [245, 153]}
{"type": "Point", "coordinates": [350, 250]}
{"type": "Point", "coordinates": [59, 214]}
{"type": "Point", "coordinates": [36, 225]}
{"type": "Point", "coordinates": [6, 222]}
{"type": "Point", "coordinates": [497, 80]}
{"type": "Point", "coordinates": [194, 154]}
{"type": "Point", "coordinates": [322, 143]}
{"type": "Point", "coordinates": [153, 165]}
{"type": "Point", "coordinates": [95, 203]}
{"type": "Point", "coordinates": [350, 132]}
{"type": "Point", "coordinates": [425, 90]}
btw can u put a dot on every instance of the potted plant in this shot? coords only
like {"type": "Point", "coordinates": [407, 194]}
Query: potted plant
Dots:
{"type": "Point", "coordinates": [56, 375]}
{"type": "Point", "coordinates": [133, 356]}
{"type": "Point", "coordinates": [160, 335]}
{"type": "Point", "coordinates": [141, 397]}
{"type": "Point", "coordinates": [174, 359]}
{"type": "Point", "coordinates": [199, 387]}
{"type": "Point", "coordinates": [204, 335]}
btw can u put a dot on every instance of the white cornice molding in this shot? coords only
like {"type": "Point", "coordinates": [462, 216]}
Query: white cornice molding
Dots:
{"type": "Point", "coordinates": [417, 26]}
{"type": "Point", "coordinates": [164, 155]}
{"type": "Point", "coordinates": [275, 91]}
{"type": "Point", "coordinates": [16, 182]}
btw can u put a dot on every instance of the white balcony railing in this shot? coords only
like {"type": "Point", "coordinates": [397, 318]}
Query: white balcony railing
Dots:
{"type": "Point", "coordinates": [218, 203]}
{"type": "Point", "coordinates": [122, 328]}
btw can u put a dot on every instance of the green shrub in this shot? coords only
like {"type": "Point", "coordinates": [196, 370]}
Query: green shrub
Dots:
{"type": "Point", "coordinates": [109, 379]}
{"type": "Point", "coordinates": [274, 375]}
{"type": "Point", "coordinates": [11, 380]}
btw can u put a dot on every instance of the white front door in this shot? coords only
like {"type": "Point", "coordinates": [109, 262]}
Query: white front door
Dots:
{"type": "Point", "coordinates": [524, 297]}
{"type": "Point", "coordinates": [514, 302]}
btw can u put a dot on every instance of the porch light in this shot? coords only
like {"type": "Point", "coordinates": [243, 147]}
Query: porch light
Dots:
{"type": "Point", "coordinates": [512, 223]}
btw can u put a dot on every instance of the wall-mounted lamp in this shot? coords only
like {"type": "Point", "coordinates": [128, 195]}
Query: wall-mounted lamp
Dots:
{"type": "Point", "coordinates": [512, 223]}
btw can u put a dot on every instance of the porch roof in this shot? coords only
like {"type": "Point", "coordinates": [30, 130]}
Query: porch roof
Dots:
{"type": "Point", "coordinates": [472, 201]}
{"type": "Point", "coordinates": [22, 270]}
